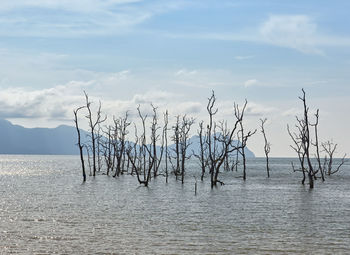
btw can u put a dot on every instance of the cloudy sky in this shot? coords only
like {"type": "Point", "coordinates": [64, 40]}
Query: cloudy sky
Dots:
{"type": "Point", "coordinates": [173, 53]}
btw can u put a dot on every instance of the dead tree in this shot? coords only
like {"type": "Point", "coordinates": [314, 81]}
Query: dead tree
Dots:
{"type": "Point", "coordinates": [202, 155]}
{"type": "Point", "coordinates": [80, 145]}
{"type": "Point", "coordinates": [298, 148]}
{"type": "Point", "coordinates": [302, 142]}
{"type": "Point", "coordinates": [330, 148]}
{"type": "Point", "coordinates": [93, 124]}
{"type": "Point", "coordinates": [267, 146]}
{"type": "Point", "coordinates": [216, 153]}
{"type": "Point", "coordinates": [186, 124]}
{"type": "Point", "coordinates": [243, 137]}
{"type": "Point", "coordinates": [154, 139]}
{"type": "Point", "coordinates": [165, 139]}
{"type": "Point", "coordinates": [316, 144]}
{"type": "Point", "coordinates": [133, 161]}
{"type": "Point", "coordinates": [176, 139]}
{"type": "Point", "coordinates": [99, 142]}
{"type": "Point", "coordinates": [108, 150]}
{"type": "Point", "coordinates": [120, 132]}
{"type": "Point", "coordinates": [307, 141]}
{"type": "Point", "coordinates": [143, 158]}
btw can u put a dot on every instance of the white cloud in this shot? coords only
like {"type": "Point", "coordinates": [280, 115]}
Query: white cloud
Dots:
{"type": "Point", "coordinates": [77, 18]}
{"type": "Point", "coordinates": [255, 109]}
{"type": "Point", "coordinates": [52, 103]}
{"type": "Point", "coordinates": [159, 97]}
{"type": "Point", "coordinates": [292, 112]}
{"type": "Point", "coordinates": [292, 31]}
{"type": "Point", "coordinates": [243, 57]}
{"type": "Point", "coordinates": [250, 83]}
{"type": "Point", "coordinates": [57, 103]}
{"type": "Point", "coordinates": [76, 6]}
{"type": "Point", "coordinates": [298, 32]}
{"type": "Point", "coordinates": [185, 72]}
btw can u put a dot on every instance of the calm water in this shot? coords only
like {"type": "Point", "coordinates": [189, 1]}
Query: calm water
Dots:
{"type": "Point", "coordinates": [45, 209]}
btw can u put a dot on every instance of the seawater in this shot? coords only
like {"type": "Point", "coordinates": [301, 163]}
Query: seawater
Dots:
{"type": "Point", "coordinates": [46, 209]}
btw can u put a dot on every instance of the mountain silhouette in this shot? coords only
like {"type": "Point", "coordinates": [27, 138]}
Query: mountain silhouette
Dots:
{"type": "Point", "coordinates": [194, 146]}
{"type": "Point", "coordinates": [15, 139]}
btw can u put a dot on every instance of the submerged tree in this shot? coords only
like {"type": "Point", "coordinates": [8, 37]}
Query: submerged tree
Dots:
{"type": "Point", "coordinates": [165, 139]}
{"type": "Point", "coordinates": [203, 148]}
{"type": "Point", "coordinates": [121, 125]}
{"type": "Point", "coordinates": [154, 140]}
{"type": "Point", "coordinates": [243, 137]}
{"type": "Point", "coordinates": [143, 157]}
{"type": "Point", "coordinates": [108, 150]}
{"type": "Point", "coordinates": [184, 143]}
{"type": "Point", "coordinates": [93, 124]}
{"type": "Point", "coordinates": [302, 142]}
{"type": "Point", "coordinates": [297, 147]}
{"type": "Point", "coordinates": [267, 145]}
{"type": "Point", "coordinates": [316, 144]}
{"type": "Point", "coordinates": [80, 145]}
{"type": "Point", "coordinates": [220, 144]}
{"type": "Point", "coordinates": [176, 150]}
{"type": "Point", "coordinates": [330, 148]}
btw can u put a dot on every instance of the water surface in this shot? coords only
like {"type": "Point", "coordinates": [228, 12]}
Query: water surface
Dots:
{"type": "Point", "coordinates": [45, 209]}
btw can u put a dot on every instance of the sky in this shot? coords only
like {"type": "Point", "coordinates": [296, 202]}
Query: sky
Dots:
{"type": "Point", "coordinates": [173, 54]}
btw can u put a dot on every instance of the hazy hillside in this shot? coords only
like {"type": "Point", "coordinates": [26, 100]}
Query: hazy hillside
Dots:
{"type": "Point", "coordinates": [16, 139]}
{"type": "Point", "coordinates": [195, 146]}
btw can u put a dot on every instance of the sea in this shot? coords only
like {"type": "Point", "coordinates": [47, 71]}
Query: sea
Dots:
{"type": "Point", "coordinates": [45, 208]}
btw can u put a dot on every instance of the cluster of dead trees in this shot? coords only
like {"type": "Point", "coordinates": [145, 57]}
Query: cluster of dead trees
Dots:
{"type": "Point", "coordinates": [141, 148]}
{"type": "Point", "coordinates": [306, 145]}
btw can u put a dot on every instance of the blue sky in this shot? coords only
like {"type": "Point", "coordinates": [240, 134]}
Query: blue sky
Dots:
{"type": "Point", "coordinates": [174, 53]}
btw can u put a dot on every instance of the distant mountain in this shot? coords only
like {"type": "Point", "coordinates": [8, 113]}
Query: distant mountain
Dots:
{"type": "Point", "coordinates": [15, 139]}
{"type": "Point", "coordinates": [195, 146]}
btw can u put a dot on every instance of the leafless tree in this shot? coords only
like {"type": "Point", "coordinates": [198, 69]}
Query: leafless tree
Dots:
{"type": "Point", "coordinates": [316, 144]}
{"type": "Point", "coordinates": [243, 137]}
{"type": "Point", "coordinates": [99, 142]}
{"type": "Point", "coordinates": [298, 147]}
{"type": "Point", "coordinates": [176, 139]}
{"type": "Point", "coordinates": [219, 144]}
{"type": "Point", "coordinates": [108, 149]}
{"type": "Point", "coordinates": [80, 145]}
{"type": "Point", "coordinates": [267, 146]}
{"type": "Point", "coordinates": [165, 139]}
{"type": "Point", "coordinates": [203, 147]}
{"type": "Point", "coordinates": [93, 124]}
{"type": "Point", "coordinates": [330, 148]}
{"type": "Point", "coordinates": [302, 143]}
{"type": "Point", "coordinates": [307, 141]}
{"type": "Point", "coordinates": [154, 139]}
{"type": "Point", "coordinates": [120, 132]}
{"type": "Point", "coordinates": [143, 158]}
{"type": "Point", "coordinates": [186, 124]}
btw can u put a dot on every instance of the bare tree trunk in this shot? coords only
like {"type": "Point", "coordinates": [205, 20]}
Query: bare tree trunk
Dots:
{"type": "Point", "coordinates": [302, 143]}
{"type": "Point", "coordinates": [266, 146]}
{"type": "Point", "coordinates": [320, 168]}
{"type": "Point", "coordinates": [307, 142]}
{"type": "Point", "coordinates": [93, 125]}
{"type": "Point", "coordinates": [244, 139]}
{"type": "Point", "coordinates": [79, 142]}
{"type": "Point", "coordinates": [165, 135]}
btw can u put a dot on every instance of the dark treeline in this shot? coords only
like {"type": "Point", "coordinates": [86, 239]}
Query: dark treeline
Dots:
{"type": "Point", "coordinates": [141, 148]}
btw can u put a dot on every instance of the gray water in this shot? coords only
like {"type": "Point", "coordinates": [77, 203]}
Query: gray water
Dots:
{"type": "Point", "coordinates": [45, 209]}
